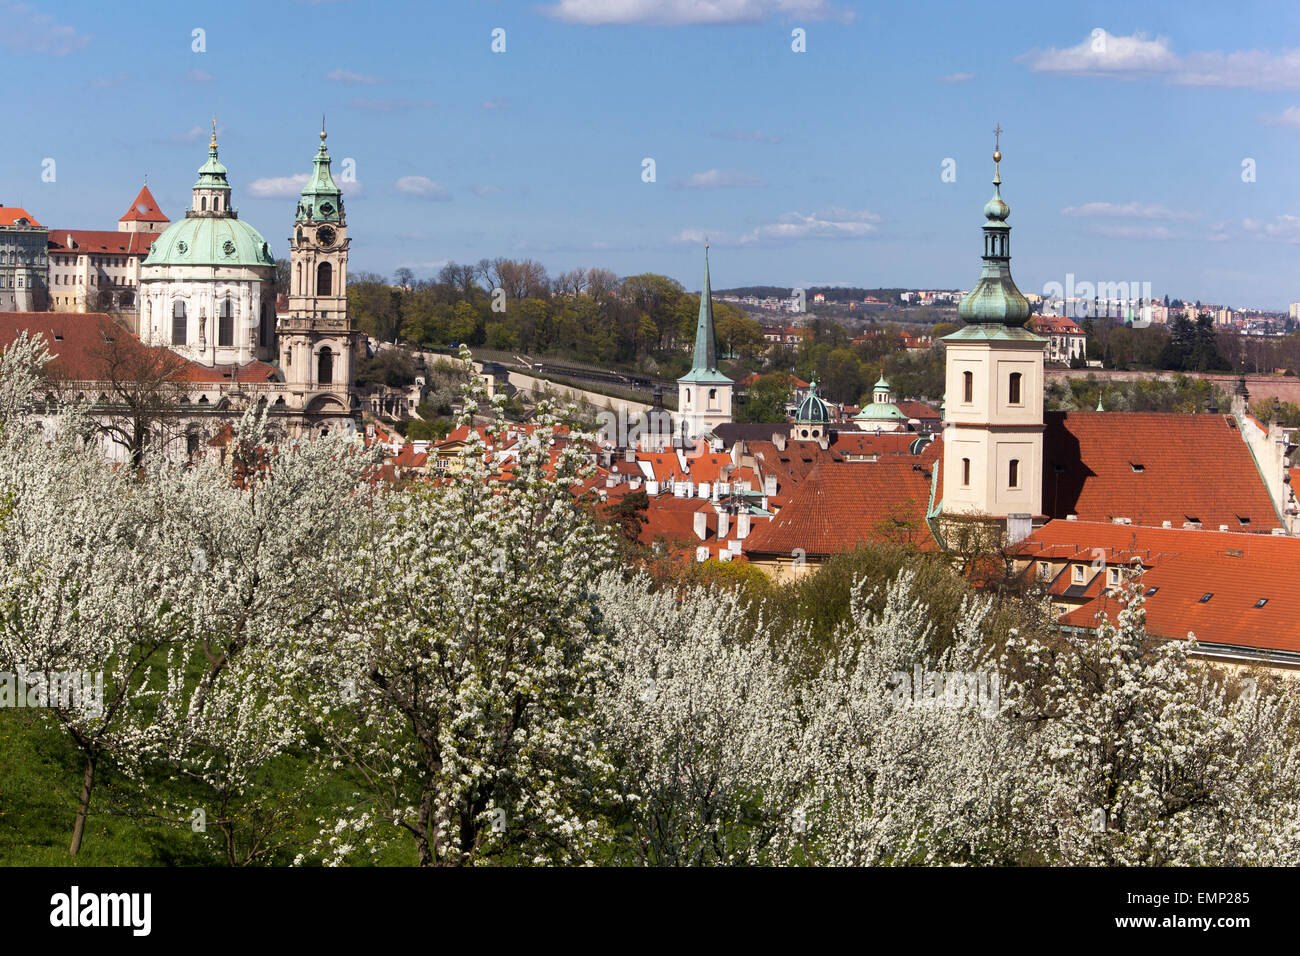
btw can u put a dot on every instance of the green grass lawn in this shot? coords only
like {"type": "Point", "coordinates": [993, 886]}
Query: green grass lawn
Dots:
{"type": "Point", "coordinates": [40, 778]}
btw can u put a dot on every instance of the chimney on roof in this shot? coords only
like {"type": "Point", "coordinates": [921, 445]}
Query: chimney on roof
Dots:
{"type": "Point", "coordinates": [1191, 526]}
{"type": "Point", "coordinates": [742, 525]}
{"type": "Point", "coordinates": [1223, 527]}
{"type": "Point", "coordinates": [701, 524]}
{"type": "Point", "coordinates": [1166, 524]}
{"type": "Point", "coordinates": [769, 485]}
{"type": "Point", "coordinates": [1019, 527]}
{"type": "Point", "coordinates": [724, 524]}
{"type": "Point", "coordinates": [629, 454]}
{"type": "Point", "coordinates": [779, 441]}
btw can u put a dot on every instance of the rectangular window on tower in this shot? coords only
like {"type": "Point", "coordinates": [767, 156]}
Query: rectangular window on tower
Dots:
{"type": "Point", "coordinates": [1013, 389]}
{"type": "Point", "coordinates": [967, 387]}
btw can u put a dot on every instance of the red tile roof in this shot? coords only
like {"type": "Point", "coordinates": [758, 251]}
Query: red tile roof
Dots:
{"type": "Point", "coordinates": [1058, 324]}
{"type": "Point", "coordinates": [9, 216]}
{"type": "Point", "coordinates": [916, 410]}
{"type": "Point", "coordinates": [842, 505]}
{"type": "Point", "coordinates": [1152, 467]}
{"type": "Point", "coordinates": [77, 342]}
{"type": "Point", "coordinates": [101, 241]}
{"type": "Point", "coordinates": [1237, 570]}
{"type": "Point", "coordinates": [144, 209]}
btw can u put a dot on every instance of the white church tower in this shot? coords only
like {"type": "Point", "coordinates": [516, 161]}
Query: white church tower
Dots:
{"type": "Point", "coordinates": [993, 395]}
{"type": "Point", "coordinates": [703, 394]}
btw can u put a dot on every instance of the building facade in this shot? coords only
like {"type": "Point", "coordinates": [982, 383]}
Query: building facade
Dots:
{"type": "Point", "coordinates": [23, 262]}
{"type": "Point", "coordinates": [98, 270]}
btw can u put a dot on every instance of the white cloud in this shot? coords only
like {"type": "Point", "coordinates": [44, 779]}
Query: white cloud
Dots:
{"type": "Point", "coordinates": [348, 78]}
{"type": "Point", "coordinates": [1127, 210]}
{"type": "Point", "coordinates": [199, 76]}
{"type": "Point", "coordinates": [496, 104]}
{"type": "Point", "coordinates": [690, 12]}
{"type": "Point", "coordinates": [957, 78]}
{"type": "Point", "coordinates": [1288, 117]}
{"type": "Point", "coordinates": [1135, 57]}
{"type": "Point", "coordinates": [487, 189]}
{"type": "Point", "coordinates": [278, 187]}
{"type": "Point", "coordinates": [720, 179]}
{"type": "Point", "coordinates": [831, 223]}
{"type": "Point", "coordinates": [1281, 228]}
{"type": "Point", "coordinates": [423, 187]}
{"type": "Point", "coordinates": [288, 187]}
{"type": "Point", "coordinates": [27, 30]}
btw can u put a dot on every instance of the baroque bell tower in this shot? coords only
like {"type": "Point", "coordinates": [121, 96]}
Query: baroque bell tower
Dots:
{"type": "Point", "coordinates": [993, 398]}
{"type": "Point", "coordinates": [319, 345]}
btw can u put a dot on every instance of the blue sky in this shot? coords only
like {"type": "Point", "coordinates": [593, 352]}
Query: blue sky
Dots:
{"type": "Point", "coordinates": [1123, 150]}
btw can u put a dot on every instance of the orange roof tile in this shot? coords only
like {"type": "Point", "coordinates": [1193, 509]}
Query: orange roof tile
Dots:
{"type": "Point", "coordinates": [1152, 467]}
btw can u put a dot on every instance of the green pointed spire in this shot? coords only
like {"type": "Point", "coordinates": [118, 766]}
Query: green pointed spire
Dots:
{"type": "Point", "coordinates": [995, 300]}
{"type": "Point", "coordinates": [322, 200]}
{"type": "Point", "coordinates": [704, 367]}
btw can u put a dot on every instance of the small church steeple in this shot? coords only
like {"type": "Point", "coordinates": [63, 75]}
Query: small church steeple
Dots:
{"type": "Point", "coordinates": [704, 393]}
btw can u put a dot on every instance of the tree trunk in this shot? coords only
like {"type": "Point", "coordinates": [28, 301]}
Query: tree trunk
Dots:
{"type": "Point", "coordinates": [83, 807]}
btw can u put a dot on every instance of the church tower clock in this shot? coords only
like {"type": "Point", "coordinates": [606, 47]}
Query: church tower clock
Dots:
{"type": "Point", "coordinates": [319, 345]}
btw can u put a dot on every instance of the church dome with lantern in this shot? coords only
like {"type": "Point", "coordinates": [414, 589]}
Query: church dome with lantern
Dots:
{"type": "Point", "coordinates": [207, 285]}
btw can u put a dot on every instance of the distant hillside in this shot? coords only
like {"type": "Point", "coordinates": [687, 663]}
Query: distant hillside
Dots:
{"type": "Point", "coordinates": [832, 293]}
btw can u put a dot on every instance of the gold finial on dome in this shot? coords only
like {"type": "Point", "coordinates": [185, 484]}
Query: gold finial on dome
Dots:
{"type": "Point", "coordinates": [997, 138]}
{"type": "Point", "coordinates": [322, 127]}
{"type": "Point", "coordinates": [214, 132]}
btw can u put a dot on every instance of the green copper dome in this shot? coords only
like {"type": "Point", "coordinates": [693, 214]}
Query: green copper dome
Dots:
{"type": "Point", "coordinates": [812, 410]}
{"type": "Point", "coordinates": [995, 300]}
{"type": "Point", "coordinates": [210, 237]}
{"type": "Point", "coordinates": [210, 241]}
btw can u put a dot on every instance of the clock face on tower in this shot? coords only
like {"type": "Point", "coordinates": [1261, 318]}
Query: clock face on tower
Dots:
{"type": "Point", "coordinates": [325, 235]}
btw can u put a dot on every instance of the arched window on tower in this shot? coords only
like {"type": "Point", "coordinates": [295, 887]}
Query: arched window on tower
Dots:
{"type": "Point", "coordinates": [297, 279]}
{"type": "Point", "coordinates": [713, 399]}
{"type": "Point", "coordinates": [216, 204]}
{"type": "Point", "coordinates": [226, 325]}
{"type": "Point", "coordinates": [203, 204]}
{"type": "Point", "coordinates": [179, 324]}
{"type": "Point", "coordinates": [967, 387]}
{"type": "Point", "coordinates": [324, 279]}
{"type": "Point", "coordinates": [325, 367]}
{"type": "Point", "coordinates": [965, 472]}
{"type": "Point", "coordinates": [1013, 389]}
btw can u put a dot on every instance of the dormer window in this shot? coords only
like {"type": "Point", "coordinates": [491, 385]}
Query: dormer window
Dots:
{"type": "Point", "coordinates": [1078, 574]}
{"type": "Point", "coordinates": [1137, 468]}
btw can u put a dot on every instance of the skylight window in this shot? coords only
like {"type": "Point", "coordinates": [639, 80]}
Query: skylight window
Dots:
{"type": "Point", "coordinates": [1205, 598]}
{"type": "Point", "coordinates": [1151, 591]}
{"type": "Point", "coordinates": [1136, 467]}
{"type": "Point", "coordinates": [1261, 602]}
